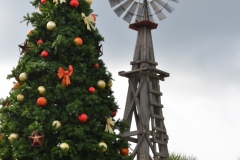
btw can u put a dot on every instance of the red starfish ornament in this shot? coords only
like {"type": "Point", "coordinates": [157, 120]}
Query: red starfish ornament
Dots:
{"type": "Point", "coordinates": [36, 139]}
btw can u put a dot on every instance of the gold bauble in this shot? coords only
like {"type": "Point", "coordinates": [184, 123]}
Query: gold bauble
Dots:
{"type": "Point", "coordinates": [41, 90]}
{"type": "Point", "coordinates": [23, 77]}
{"type": "Point", "coordinates": [101, 84]}
{"type": "Point", "coordinates": [13, 136]}
{"type": "Point", "coordinates": [51, 25]}
{"type": "Point", "coordinates": [89, 2]}
{"type": "Point", "coordinates": [56, 124]}
{"type": "Point", "coordinates": [104, 145]}
{"type": "Point", "coordinates": [20, 98]}
{"type": "Point", "coordinates": [110, 84]}
{"type": "Point", "coordinates": [64, 146]}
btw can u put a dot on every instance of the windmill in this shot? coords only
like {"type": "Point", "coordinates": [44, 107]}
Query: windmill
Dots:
{"type": "Point", "coordinates": [143, 98]}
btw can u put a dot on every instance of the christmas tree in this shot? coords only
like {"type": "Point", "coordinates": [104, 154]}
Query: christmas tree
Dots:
{"type": "Point", "coordinates": [61, 106]}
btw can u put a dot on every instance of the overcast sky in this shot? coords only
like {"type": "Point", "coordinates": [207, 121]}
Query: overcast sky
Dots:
{"type": "Point", "coordinates": [198, 44]}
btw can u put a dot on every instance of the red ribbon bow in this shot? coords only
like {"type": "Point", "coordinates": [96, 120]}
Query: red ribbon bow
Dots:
{"type": "Point", "coordinates": [65, 75]}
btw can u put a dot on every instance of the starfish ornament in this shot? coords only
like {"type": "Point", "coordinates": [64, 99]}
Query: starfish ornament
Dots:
{"type": "Point", "coordinates": [36, 139]}
{"type": "Point", "coordinates": [99, 48]}
{"type": "Point", "coordinates": [25, 47]}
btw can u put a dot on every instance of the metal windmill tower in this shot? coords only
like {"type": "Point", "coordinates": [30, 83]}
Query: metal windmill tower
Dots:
{"type": "Point", "coordinates": [143, 98]}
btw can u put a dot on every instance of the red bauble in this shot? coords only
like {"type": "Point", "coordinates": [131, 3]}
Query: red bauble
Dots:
{"type": "Point", "coordinates": [94, 17]}
{"type": "Point", "coordinates": [39, 42]}
{"type": "Point", "coordinates": [43, 1]}
{"type": "Point", "coordinates": [124, 151]}
{"type": "Point", "coordinates": [83, 118]}
{"type": "Point", "coordinates": [41, 101]}
{"type": "Point", "coordinates": [91, 89]}
{"type": "Point", "coordinates": [44, 54]}
{"type": "Point", "coordinates": [74, 3]}
{"type": "Point", "coordinates": [96, 65]}
{"type": "Point", "coordinates": [113, 113]}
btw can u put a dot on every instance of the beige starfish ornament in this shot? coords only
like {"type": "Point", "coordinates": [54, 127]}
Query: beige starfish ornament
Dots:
{"type": "Point", "coordinates": [61, 1]}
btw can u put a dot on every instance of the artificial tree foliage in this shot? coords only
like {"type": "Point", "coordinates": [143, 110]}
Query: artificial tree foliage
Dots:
{"type": "Point", "coordinates": [64, 103]}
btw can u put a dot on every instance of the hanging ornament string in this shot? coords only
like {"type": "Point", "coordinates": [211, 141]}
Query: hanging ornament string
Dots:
{"type": "Point", "coordinates": [109, 125]}
{"type": "Point", "coordinates": [64, 75]}
{"type": "Point", "coordinates": [61, 1]}
{"type": "Point", "coordinates": [89, 20]}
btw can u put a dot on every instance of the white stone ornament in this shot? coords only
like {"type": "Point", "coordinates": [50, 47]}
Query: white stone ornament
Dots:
{"type": "Point", "coordinates": [61, 1]}
{"type": "Point", "coordinates": [51, 25]}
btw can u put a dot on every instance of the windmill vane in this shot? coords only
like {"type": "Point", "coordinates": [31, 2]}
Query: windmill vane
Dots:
{"type": "Point", "coordinates": [138, 8]}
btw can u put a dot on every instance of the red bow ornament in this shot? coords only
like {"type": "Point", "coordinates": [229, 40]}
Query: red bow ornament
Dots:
{"type": "Point", "coordinates": [65, 75]}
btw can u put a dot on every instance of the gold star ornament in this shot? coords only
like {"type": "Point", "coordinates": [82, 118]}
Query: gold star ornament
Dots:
{"type": "Point", "coordinates": [61, 1]}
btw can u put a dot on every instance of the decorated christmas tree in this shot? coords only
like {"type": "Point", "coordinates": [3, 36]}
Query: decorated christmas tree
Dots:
{"type": "Point", "coordinates": [61, 106]}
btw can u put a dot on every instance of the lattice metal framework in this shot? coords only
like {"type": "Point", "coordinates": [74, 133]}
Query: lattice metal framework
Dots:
{"type": "Point", "coordinates": [143, 98]}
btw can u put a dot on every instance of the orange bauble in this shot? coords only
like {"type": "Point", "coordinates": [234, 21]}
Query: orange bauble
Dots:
{"type": "Point", "coordinates": [30, 32]}
{"type": "Point", "coordinates": [78, 41]}
{"type": "Point", "coordinates": [41, 101]}
{"type": "Point", "coordinates": [124, 151]}
{"type": "Point", "coordinates": [16, 85]}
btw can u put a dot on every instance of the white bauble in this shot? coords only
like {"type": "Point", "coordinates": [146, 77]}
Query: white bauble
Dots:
{"type": "Point", "coordinates": [56, 124]}
{"type": "Point", "coordinates": [101, 84]}
{"type": "Point", "coordinates": [41, 89]}
{"type": "Point", "coordinates": [110, 84]}
{"type": "Point", "coordinates": [13, 136]}
{"type": "Point", "coordinates": [64, 146]}
{"type": "Point", "coordinates": [23, 77]}
{"type": "Point", "coordinates": [89, 2]}
{"type": "Point", "coordinates": [20, 98]}
{"type": "Point", "coordinates": [104, 145]}
{"type": "Point", "coordinates": [51, 25]}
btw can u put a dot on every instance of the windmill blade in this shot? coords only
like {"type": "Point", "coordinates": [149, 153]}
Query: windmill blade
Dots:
{"type": "Point", "coordinates": [115, 2]}
{"type": "Point", "coordinates": [139, 12]}
{"type": "Point", "coordinates": [158, 11]}
{"type": "Point", "coordinates": [127, 4]}
{"type": "Point", "coordinates": [165, 6]}
{"type": "Point", "coordinates": [150, 16]}
{"type": "Point", "coordinates": [128, 16]}
{"type": "Point", "coordinates": [119, 10]}
{"type": "Point", "coordinates": [175, 1]}
{"type": "Point", "coordinates": [161, 16]}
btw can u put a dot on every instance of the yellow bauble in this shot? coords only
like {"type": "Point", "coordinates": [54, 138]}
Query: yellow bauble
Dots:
{"type": "Point", "coordinates": [41, 89]}
{"type": "Point", "coordinates": [20, 98]}
{"type": "Point", "coordinates": [51, 25]}
{"type": "Point", "coordinates": [13, 136]}
{"type": "Point", "coordinates": [23, 77]}
{"type": "Point", "coordinates": [56, 124]}
{"type": "Point", "coordinates": [89, 2]}
{"type": "Point", "coordinates": [110, 84]}
{"type": "Point", "coordinates": [101, 84]}
{"type": "Point", "coordinates": [64, 146]}
{"type": "Point", "coordinates": [102, 144]}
